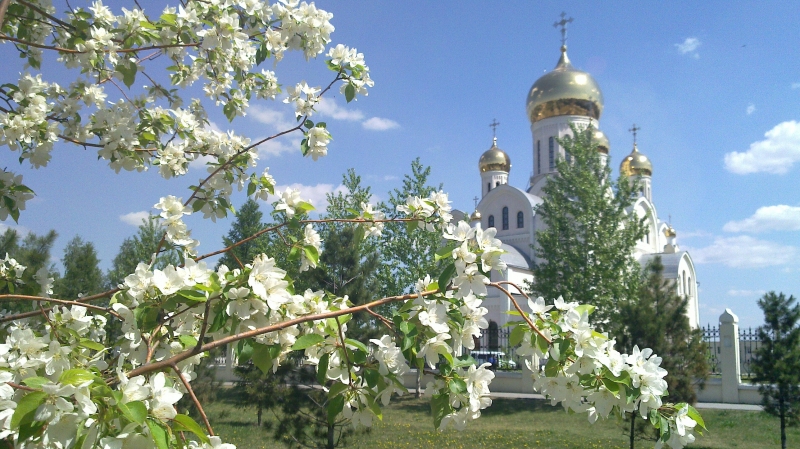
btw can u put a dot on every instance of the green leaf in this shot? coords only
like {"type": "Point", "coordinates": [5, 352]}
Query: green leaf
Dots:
{"type": "Point", "coordinates": [135, 411]}
{"type": "Point", "coordinates": [192, 296]}
{"type": "Point", "coordinates": [357, 344]}
{"type": "Point", "coordinates": [445, 277]}
{"type": "Point", "coordinates": [35, 382]}
{"type": "Point", "coordinates": [349, 93]}
{"type": "Point", "coordinates": [263, 355]}
{"type": "Point", "coordinates": [517, 334]}
{"type": "Point", "coordinates": [322, 368]}
{"type": "Point", "coordinates": [335, 406]}
{"type": "Point", "coordinates": [440, 407]}
{"type": "Point", "coordinates": [695, 415]}
{"type": "Point", "coordinates": [169, 18]}
{"type": "Point", "coordinates": [76, 376]}
{"type": "Point", "coordinates": [30, 430]}
{"type": "Point", "coordinates": [457, 386]}
{"type": "Point", "coordinates": [312, 253]}
{"type": "Point", "coordinates": [303, 207]}
{"type": "Point", "coordinates": [611, 385]}
{"type": "Point", "coordinates": [336, 389]}
{"type": "Point", "coordinates": [307, 341]}
{"type": "Point", "coordinates": [445, 252]}
{"type": "Point", "coordinates": [191, 425]}
{"type": "Point", "coordinates": [585, 308]}
{"type": "Point", "coordinates": [158, 433]}
{"type": "Point", "coordinates": [245, 351]}
{"type": "Point", "coordinates": [372, 376]}
{"type": "Point", "coordinates": [93, 345]}
{"type": "Point", "coordinates": [188, 341]}
{"type": "Point", "coordinates": [128, 70]}
{"type": "Point", "coordinates": [26, 408]}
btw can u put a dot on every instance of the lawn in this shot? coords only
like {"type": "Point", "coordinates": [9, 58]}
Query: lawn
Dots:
{"type": "Point", "coordinates": [508, 423]}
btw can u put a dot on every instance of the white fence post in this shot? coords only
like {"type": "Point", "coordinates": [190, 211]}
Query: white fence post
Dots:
{"type": "Point", "coordinates": [729, 356]}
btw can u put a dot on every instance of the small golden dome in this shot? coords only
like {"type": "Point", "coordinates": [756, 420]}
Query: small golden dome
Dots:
{"type": "Point", "coordinates": [600, 141]}
{"type": "Point", "coordinates": [670, 231]}
{"type": "Point", "coordinates": [494, 159]}
{"type": "Point", "coordinates": [476, 216]}
{"type": "Point", "coordinates": [564, 91]}
{"type": "Point", "coordinates": [636, 163]}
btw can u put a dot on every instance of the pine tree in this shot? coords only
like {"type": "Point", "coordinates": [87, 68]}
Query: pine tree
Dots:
{"type": "Point", "coordinates": [82, 275]}
{"type": "Point", "coordinates": [140, 248]}
{"type": "Point", "coordinates": [587, 244]}
{"type": "Point", "coordinates": [657, 319]}
{"type": "Point", "coordinates": [34, 253]}
{"type": "Point", "coordinates": [776, 365]}
{"type": "Point", "coordinates": [407, 254]}
{"type": "Point", "coordinates": [247, 223]}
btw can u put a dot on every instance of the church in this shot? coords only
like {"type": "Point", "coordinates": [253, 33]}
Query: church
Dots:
{"type": "Point", "coordinates": [559, 98]}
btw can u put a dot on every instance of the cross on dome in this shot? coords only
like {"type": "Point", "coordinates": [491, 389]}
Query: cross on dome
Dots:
{"type": "Point", "coordinates": [494, 126]}
{"type": "Point", "coordinates": [563, 24]}
{"type": "Point", "coordinates": [634, 130]}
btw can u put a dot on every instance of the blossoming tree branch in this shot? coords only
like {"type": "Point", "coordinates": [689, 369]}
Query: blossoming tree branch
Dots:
{"type": "Point", "coordinates": [64, 382]}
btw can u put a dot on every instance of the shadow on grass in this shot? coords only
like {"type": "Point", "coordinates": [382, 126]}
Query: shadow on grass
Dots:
{"type": "Point", "coordinates": [500, 406]}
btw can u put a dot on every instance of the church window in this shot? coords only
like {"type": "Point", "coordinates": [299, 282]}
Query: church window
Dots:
{"type": "Point", "coordinates": [689, 286]}
{"type": "Point", "coordinates": [647, 238]}
{"type": "Point", "coordinates": [538, 157]}
{"type": "Point", "coordinates": [552, 151]}
{"type": "Point", "coordinates": [488, 186]}
{"type": "Point", "coordinates": [520, 220]}
{"type": "Point", "coordinates": [496, 183]}
{"type": "Point", "coordinates": [569, 157]}
{"type": "Point", "coordinates": [505, 218]}
{"type": "Point", "coordinates": [491, 221]}
{"type": "Point", "coordinates": [494, 336]}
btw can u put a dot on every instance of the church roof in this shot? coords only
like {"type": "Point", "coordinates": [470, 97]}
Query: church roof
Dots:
{"type": "Point", "coordinates": [671, 261]}
{"type": "Point", "coordinates": [514, 257]}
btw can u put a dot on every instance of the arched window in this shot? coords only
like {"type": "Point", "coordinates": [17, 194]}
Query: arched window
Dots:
{"type": "Point", "coordinates": [520, 220]}
{"type": "Point", "coordinates": [552, 150]}
{"type": "Point", "coordinates": [689, 286]}
{"type": "Point", "coordinates": [491, 221]}
{"type": "Point", "coordinates": [683, 275]}
{"type": "Point", "coordinates": [496, 183]}
{"type": "Point", "coordinates": [538, 157]}
{"type": "Point", "coordinates": [488, 186]}
{"type": "Point", "coordinates": [569, 157]}
{"type": "Point", "coordinates": [505, 218]}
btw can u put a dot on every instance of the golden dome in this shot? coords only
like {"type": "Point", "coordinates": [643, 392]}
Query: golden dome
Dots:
{"type": "Point", "coordinates": [476, 216]}
{"type": "Point", "coordinates": [600, 141]}
{"type": "Point", "coordinates": [494, 159]}
{"type": "Point", "coordinates": [636, 163]}
{"type": "Point", "coordinates": [564, 91]}
{"type": "Point", "coordinates": [670, 231]}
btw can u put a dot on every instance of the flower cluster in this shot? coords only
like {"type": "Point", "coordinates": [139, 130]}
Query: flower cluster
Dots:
{"type": "Point", "coordinates": [172, 212]}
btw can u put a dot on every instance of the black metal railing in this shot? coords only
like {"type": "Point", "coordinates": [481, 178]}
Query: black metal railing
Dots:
{"type": "Point", "coordinates": [749, 343]}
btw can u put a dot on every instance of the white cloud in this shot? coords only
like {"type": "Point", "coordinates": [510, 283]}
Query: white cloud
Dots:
{"type": "Point", "coordinates": [316, 195]}
{"type": "Point", "coordinates": [751, 108]}
{"type": "Point", "coordinates": [22, 231]}
{"type": "Point", "coordinates": [267, 116]}
{"type": "Point", "coordinates": [768, 218]}
{"type": "Point", "coordinates": [329, 108]}
{"type": "Point", "coordinates": [744, 252]}
{"type": "Point", "coordinates": [748, 293]}
{"type": "Point", "coordinates": [134, 218]}
{"type": "Point", "coordinates": [795, 85]}
{"type": "Point", "coordinates": [379, 124]}
{"type": "Point", "coordinates": [776, 154]}
{"type": "Point", "coordinates": [276, 147]}
{"type": "Point", "coordinates": [689, 47]}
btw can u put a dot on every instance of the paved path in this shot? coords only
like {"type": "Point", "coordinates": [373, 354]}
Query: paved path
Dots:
{"type": "Point", "coordinates": [700, 405]}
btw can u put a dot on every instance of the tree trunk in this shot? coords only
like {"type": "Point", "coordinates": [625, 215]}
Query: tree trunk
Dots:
{"type": "Point", "coordinates": [633, 428]}
{"type": "Point", "coordinates": [331, 441]}
{"type": "Point", "coordinates": [259, 415]}
{"type": "Point", "coordinates": [783, 424]}
{"type": "Point", "coordinates": [419, 383]}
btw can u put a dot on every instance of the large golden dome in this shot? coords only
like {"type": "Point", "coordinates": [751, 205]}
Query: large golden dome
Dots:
{"type": "Point", "coordinates": [636, 163]}
{"type": "Point", "coordinates": [600, 141]}
{"type": "Point", "coordinates": [564, 91]}
{"type": "Point", "coordinates": [494, 159]}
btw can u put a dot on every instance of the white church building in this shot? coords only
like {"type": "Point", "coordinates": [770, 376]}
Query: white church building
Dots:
{"type": "Point", "coordinates": [559, 98]}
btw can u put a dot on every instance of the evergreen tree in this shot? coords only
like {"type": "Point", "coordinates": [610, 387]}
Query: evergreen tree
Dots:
{"type": "Point", "coordinates": [657, 319]}
{"type": "Point", "coordinates": [587, 242]}
{"type": "Point", "coordinates": [247, 223]}
{"type": "Point", "coordinates": [140, 248]}
{"type": "Point", "coordinates": [34, 253]}
{"type": "Point", "coordinates": [776, 365]}
{"type": "Point", "coordinates": [407, 254]}
{"type": "Point", "coordinates": [82, 274]}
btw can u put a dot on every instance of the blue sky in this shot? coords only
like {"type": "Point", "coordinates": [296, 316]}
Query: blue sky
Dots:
{"type": "Point", "coordinates": [714, 86]}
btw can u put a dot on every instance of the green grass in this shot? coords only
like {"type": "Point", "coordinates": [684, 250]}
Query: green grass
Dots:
{"type": "Point", "coordinates": [508, 423]}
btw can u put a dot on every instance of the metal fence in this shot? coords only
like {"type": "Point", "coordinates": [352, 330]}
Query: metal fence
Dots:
{"type": "Point", "coordinates": [494, 347]}
{"type": "Point", "coordinates": [748, 346]}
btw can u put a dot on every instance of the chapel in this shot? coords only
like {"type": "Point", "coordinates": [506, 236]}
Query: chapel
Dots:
{"type": "Point", "coordinates": [559, 98]}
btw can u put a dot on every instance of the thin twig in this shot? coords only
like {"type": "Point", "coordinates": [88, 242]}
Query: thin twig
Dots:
{"type": "Point", "coordinates": [3, 7]}
{"type": "Point", "coordinates": [20, 387]}
{"type": "Point", "coordinates": [44, 14]}
{"type": "Point", "coordinates": [194, 399]}
{"type": "Point", "coordinates": [381, 318]}
{"type": "Point", "coordinates": [59, 301]}
{"type": "Point", "coordinates": [82, 301]}
{"type": "Point", "coordinates": [519, 309]}
{"type": "Point", "coordinates": [344, 350]}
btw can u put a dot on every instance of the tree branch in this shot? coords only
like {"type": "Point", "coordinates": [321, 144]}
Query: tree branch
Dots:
{"type": "Point", "coordinates": [194, 399]}
{"type": "Point", "coordinates": [159, 365]}
{"type": "Point", "coordinates": [519, 309]}
{"type": "Point", "coordinates": [82, 301]}
{"type": "Point", "coordinates": [3, 8]}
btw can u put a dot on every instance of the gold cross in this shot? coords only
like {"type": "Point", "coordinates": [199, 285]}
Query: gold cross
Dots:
{"type": "Point", "coordinates": [634, 130]}
{"type": "Point", "coordinates": [563, 24]}
{"type": "Point", "coordinates": [494, 126]}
